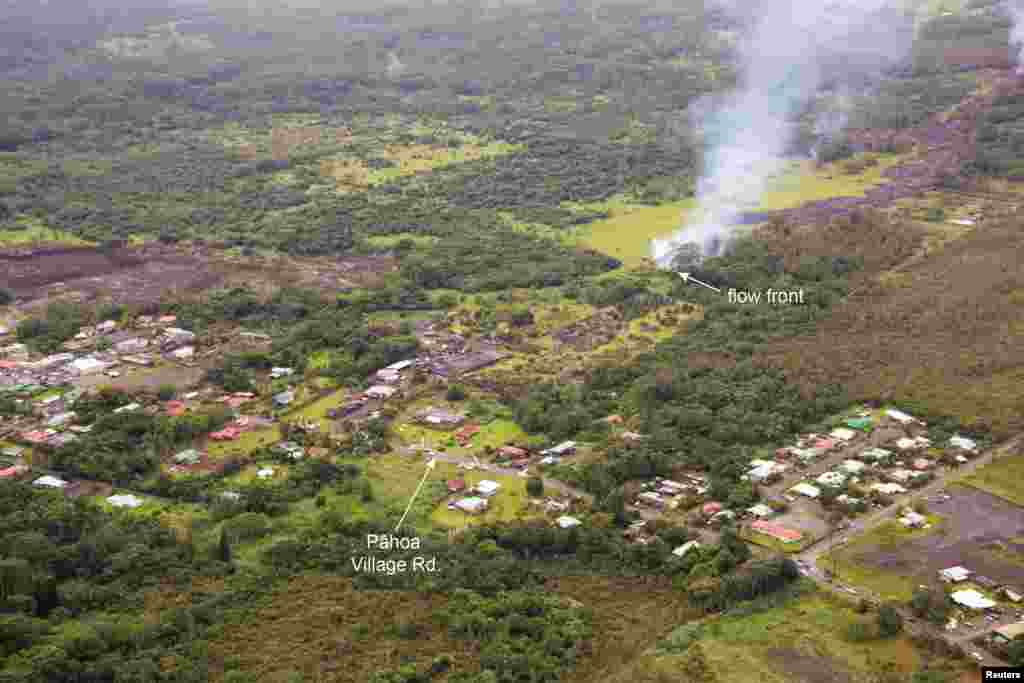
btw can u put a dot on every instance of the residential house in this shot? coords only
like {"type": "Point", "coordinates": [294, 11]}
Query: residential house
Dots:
{"type": "Point", "coordinates": [806, 490]}
{"type": "Point", "coordinates": [127, 408]}
{"type": "Point", "coordinates": [913, 520]}
{"type": "Point", "coordinates": [125, 500]}
{"type": "Point", "coordinates": [512, 453]}
{"type": "Point", "coordinates": [472, 505]}
{"type": "Point", "coordinates": [1009, 632]}
{"type": "Point", "coordinates": [686, 547]}
{"type": "Point", "coordinates": [87, 366]}
{"type": "Point", "coordinates": [188, 457]}
{"type": "Point", "coordinates": [456, 485]}
{"type": "Point", "coordinates": [284, 399]}
{"type": "Point", "coordinates": [912, 444]}
{"type": "Point", "coordinates": [381, 392]}
{"type": "Point", "coordinates": [567, 522]}
{"type": "Point", "coordinates": [400, 365]}
{"type": "Point", "coordinates": [184, 354]}
{"type": "Point", "coordinates": [922, 464]}
{"type": "Point", "coordinates": [760, 511]}
{"type": "Point", "coordinates": [650, 498]}
{"type": "Point", "coordinates": [878, 455]}
{"type": "Point", "coordinates": [711, 508]}
{"type": "Point", "coordinates": [291, 449]}
{"type": "Point", "coordinates": [265, 473]}
{"type": "Point", "coordinates": [888, 489]}
{"type": "Point", "coordinates": [131, 345]}
{"type": "Point", "coordinates": [439, 417]}
{"type": "Point", "coordinates": [487, 488]}
{"type": "Point", "coordinates": [562, 449]}
{"type": "Point", "coordinates": [963, 443]}
{"type": "Point", "coordinates": [843, 434]}
{"type": "Point", "coordinates": [278, 373]}
{"type": "Point", "coordinates": [973, 600]}
{"type": "Point", "coordinates": [776, 531]}
{"type": "Point", "coordinates": [900, 416]}
{"type": "Point", "coordinates": [50, 482]}
{"type": "Point", "coordinates": [955, 574]}
{"type": "Point", "coordinates": [853, 467]}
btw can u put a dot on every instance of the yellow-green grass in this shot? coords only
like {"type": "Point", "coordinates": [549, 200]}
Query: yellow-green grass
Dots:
{"type": "Point", "coordinates": [803, 182]}
{"type": "Point", "coordinates": [249, 475]}
{"type": "Point", "coordinates": [777, 645]}
{"type": "Point", "coordinates": [395, 477]}
{"type": "Point", "coordinates": [627, 233]}
{"type": "Point", "coordinates": [887, 536]}
{"type": "Point", "coordinates": [508, 504]}
{"type": "Point", "coordinates": [1001, 478]}
{"type": "Point", "coordinates": [32, 231]}
{"type": "Point", "coordinates": [245, 444]}
{"type": "Point", "coordinates": [634, 334]}
{"type": "Point", "coordinates": [498, 433]}
{"type": "Point", "coordinates": [317, 410]}
{"type": "Point", "coordinates": [389, 241]}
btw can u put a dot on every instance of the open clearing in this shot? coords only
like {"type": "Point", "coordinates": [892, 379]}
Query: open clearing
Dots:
{"type": "Point", "coordinates": [801, 641]}
{"type": "Point", "coordinates": [891, 560]}
{"type": "Point", "coordinates": [1002, 478]}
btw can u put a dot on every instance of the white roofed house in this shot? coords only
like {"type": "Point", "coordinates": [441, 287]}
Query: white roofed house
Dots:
{"type": "Point", "coordinates": [963, 443]}
{"type": "Point", "coordinates": [972, 599]}
{"type": "Point", "coordinates": [567, 522]}
{"type": "Point", "coordinates": [843, 434]}
{"type": "Point", "coordinates": [955, 574]}
{"type": "Point", "coordinates": [853, 467]}
{"type": "Point", "coordinates": [806, 490]}
{"type": "Point", "coordinates": [472, 505]}
{"type": "Point", "coordinates": [686, 547]}
{"type": "Point", "coordinates": [285, 398]}
{"type": "Point", "coordinates": [487, 488]}
{"type": "Point", "coordinates": [381, 392]}
{"type": "Point", "coordinates": [831, 479]}
{"type": "Point", "coordinates": [50, 482]}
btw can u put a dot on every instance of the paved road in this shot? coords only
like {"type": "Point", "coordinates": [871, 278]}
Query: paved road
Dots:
{"type": "Point", "coordinates": [809, 556]}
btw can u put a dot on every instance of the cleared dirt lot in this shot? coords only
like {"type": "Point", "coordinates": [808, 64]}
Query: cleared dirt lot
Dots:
{"type": "Point", "coordinates": [128, 275]}
{"type": "Point", "coordinates": [973, 519]}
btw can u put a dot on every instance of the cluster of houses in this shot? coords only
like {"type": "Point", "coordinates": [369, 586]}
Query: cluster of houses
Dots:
{"type": "Point", "coordinates": [903, 463]}
{"type": "Point", "coordinates": [662, 494]}
{"type": "Point", "coordinates": [473, 500]}
{"type": "Point", "coordinates": [972, 599]}
{"type": "Point", "coordinates": [138, 346]}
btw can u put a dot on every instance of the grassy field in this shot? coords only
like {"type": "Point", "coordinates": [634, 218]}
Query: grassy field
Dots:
{"type": "Point", "coordinates": [804, 182]}
{"type": "Point", "coordinates": [245, 444]}
{"type": "Point", "coordinates": [844, 560]}
{"type": "Point", "coordinates": [1001, 478]}
{"type": "Point", "coordinates": [628, 232]}
{"type": "Point", "coordinates": [33, 231]}
{"type": "Point", "coordinates": [802, 640]}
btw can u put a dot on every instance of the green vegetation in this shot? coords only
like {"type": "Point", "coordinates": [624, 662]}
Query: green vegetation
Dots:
{"type": "Point", "coordinates": [998, 478]}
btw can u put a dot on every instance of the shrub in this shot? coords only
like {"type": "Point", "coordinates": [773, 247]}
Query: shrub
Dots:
{"type": "Point", "coordinates": [166, 392]}
{"type": "Point", "coordinates": [6, 296]}
{"type": "Point", "coordinates": [249, 526]}
{"type": "Point", "coordinates": [535, 487]}
{"type": "Point", "coordinates": [456, 393]}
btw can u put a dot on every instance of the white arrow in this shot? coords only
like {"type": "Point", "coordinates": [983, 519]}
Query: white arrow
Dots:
{"type": "Point", "coordinates": [430, 465]}
{"type": "Point", "coordinates": [689, 278]}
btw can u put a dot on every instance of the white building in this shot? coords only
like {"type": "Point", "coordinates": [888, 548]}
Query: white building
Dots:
{"type": "Point", "coordinates": [963, 443]}
{"type": "Point", "coordinates": [686, 547]}
{"type": "Point", "coordinates": [400, 365]}
{"type": "Point", "coordinates": [50, 482]}
{"type": "Point", "coordinates": [913, 520]}
{"type": "Point", "coordinates": [888, 489]}
{"type": "Point", "coordinates": [184, 353]}
{"type": "Point", "coordinates": [853, 467]}
{"type": "Point", "coordinates": [87, 365]}
{"type": "Point", "coordinates": [277, 373]}
{"type": "Point", "coordinates": [379, 391]}
{"type": "Point", "coordinates": [843, 434]}
{"type": "Point", "coordinates": [125, 500]}
{"type": "Point", "coordinates": [487, 488]}
{"type": "Point", "coordinates": [472, 505]}
{"type": "Point", "coordinates": [972, 599]}
{"type": "Point", "coordinates": [807, 490]}
{"type": "Point", "coordinates": [875, 455]}
{"type": "Point", "coordinates": [900, 416]}
{"type": "Point", "coordinates": [567, 522]}
{"type": "Point", "coordinates": [955, 574]}
{"type": "Point", "coordinates": [564, 448]}
{"type": "Point", "coordinates": [760, 511]}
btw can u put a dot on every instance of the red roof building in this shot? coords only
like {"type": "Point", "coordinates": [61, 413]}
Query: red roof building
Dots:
{"type": "Point", "coordinates": [456, 485]}
{"type": "Point", "coordinates": [711, 508]}
{"type": "Point", "coordinates": [226, 434]}
{"type": "Point", "coordinates": [776, 531]}
{"type": "Point", "coordinates": [14, 471]}
{"type": "Point", "coordinates": [512, 452]}
{"type": "Point", "coordinates": [175, 408]}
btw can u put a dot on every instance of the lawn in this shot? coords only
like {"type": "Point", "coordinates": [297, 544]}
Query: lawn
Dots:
{"type": "Point", "coordinates": [845, 560]}
{"type": "Point", "coordinates": [1001, 478]}
{"type": "Point", "coordinates": [246, 443]}
{"type": "Point", "coordinates": [317, 410]}
{"type": "Point", "coordinates": [804, 182]}
{"type": "Point", "coordinates": [801, 639]}
{"type": "Point", "coordinates": [628, 232]}
{"type": "Point", "coordinates": [32, 231]}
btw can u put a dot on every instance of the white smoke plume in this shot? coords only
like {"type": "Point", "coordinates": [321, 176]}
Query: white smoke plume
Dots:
{"type": "Point", "coordinates": [792, 46]}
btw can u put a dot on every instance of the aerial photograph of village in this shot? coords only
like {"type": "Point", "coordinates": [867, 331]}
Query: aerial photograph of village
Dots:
{"type": "Point", "coordinates": [532, 341]}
